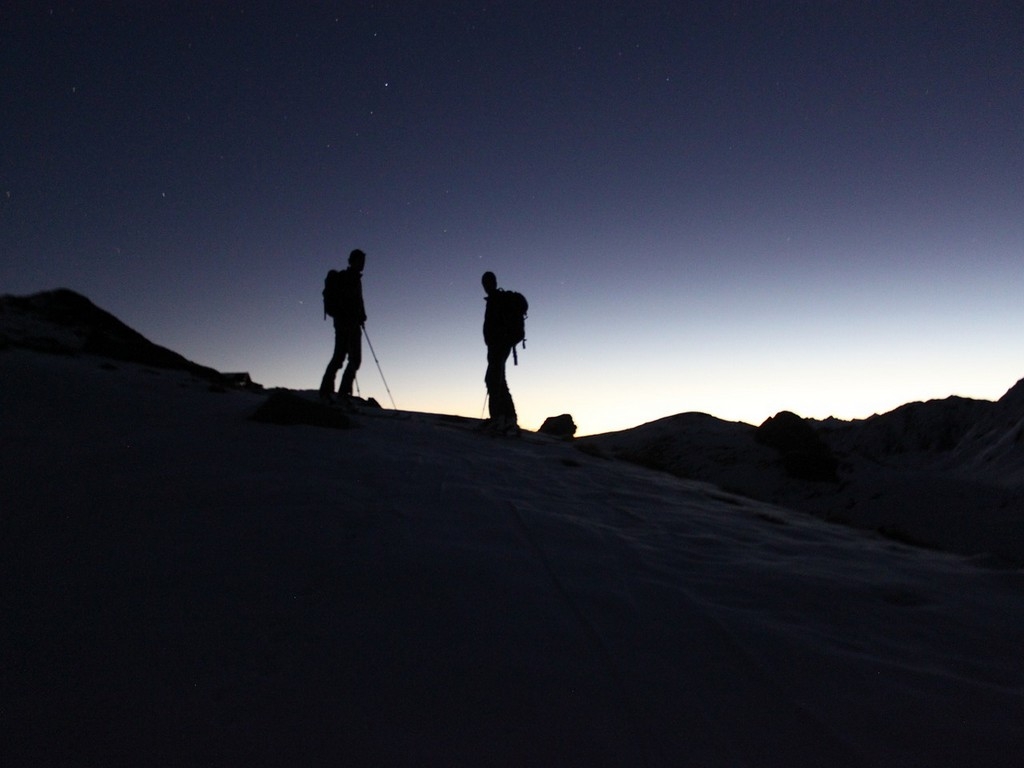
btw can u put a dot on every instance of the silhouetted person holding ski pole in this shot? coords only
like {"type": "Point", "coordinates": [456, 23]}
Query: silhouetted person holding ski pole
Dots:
{"type": "Point", "coordinates": [343, 301]}
{"type": "Point", "coordinates": [503, 329]}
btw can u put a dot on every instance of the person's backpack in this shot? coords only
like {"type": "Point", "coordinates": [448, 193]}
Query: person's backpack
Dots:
{"type": "Point", "coordinates": [513, 308]}
{"type": "Point", "coordinates": [332, 293]}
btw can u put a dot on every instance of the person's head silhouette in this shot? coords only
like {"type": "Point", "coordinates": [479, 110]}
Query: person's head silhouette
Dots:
{"type": "Point", "coordinates": [489, 282]}
{"type": "Point", "coordinates": [357, 260]}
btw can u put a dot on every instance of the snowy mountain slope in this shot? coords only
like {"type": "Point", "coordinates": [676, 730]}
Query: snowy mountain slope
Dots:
{"type": "Point", "coordinates": [947, 474]}
{"type": "Point", "coordinates": [183, 585]}
{"type": "Point", "coordinates": [993, 449]}
{"type": "Point", "coordinates": [921, 430]}
{"type": "Point", "coordinates": [65, 322]}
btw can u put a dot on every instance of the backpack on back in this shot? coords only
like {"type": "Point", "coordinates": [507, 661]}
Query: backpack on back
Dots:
{"type": "Point", "coordinates": [332, 293]}
{"type": "Point", "coordinates": [513, 308]}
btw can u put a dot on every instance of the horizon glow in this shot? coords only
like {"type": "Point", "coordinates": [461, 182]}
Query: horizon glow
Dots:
{"type": "Point", "coordinates": [729, 210]}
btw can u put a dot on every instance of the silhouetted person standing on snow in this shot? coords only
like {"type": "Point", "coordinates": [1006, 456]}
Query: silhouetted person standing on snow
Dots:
{"type": "Point", "coordinates": [503, 329]}
{"type": "Point", "coordinates": [343, 301]}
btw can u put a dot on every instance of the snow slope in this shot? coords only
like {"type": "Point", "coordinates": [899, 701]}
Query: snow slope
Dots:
{"type": "Point", "coordinates": [182, 585]}
{"type": "Point", "coordinates": [185, 586]}
{"type": "Point", "coordinates": [946, 474]}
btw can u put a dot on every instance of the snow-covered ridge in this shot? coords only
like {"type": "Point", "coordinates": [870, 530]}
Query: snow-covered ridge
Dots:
{"type": "Point", "coordinates": [65, 322]}
{"type": "Point", "coordinates": [183, 585]}
{"type": "Point", "coordinates": [947, 474]}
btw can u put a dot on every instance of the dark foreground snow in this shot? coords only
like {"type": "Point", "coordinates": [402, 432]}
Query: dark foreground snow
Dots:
{"type": "Point", "coordinates": [183, 586]}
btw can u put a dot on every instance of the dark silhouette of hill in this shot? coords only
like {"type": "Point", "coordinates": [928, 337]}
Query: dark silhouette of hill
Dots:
{"type": "Point", "coordinates": [974, 438]}
{"type": "Point", "coordinates": [993, 447]}
{"type": "Point", "coordinates": [65, 322]}
{"type": "Point", "coordinates": [931, 427]}
{"type": "Point", "coordinates": [946, 474]}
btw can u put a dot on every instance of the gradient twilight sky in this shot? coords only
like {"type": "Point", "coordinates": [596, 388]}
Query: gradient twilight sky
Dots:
{"type": "Point", "coordinates": [729, 207]}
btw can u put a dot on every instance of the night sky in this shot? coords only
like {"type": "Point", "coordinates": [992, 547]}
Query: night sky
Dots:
{"type": "Point", "coordinates": [729, 207]}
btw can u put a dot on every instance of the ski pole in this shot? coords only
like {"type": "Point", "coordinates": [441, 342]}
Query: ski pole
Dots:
{"type": "Point", "coordinates": [388, 389]}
